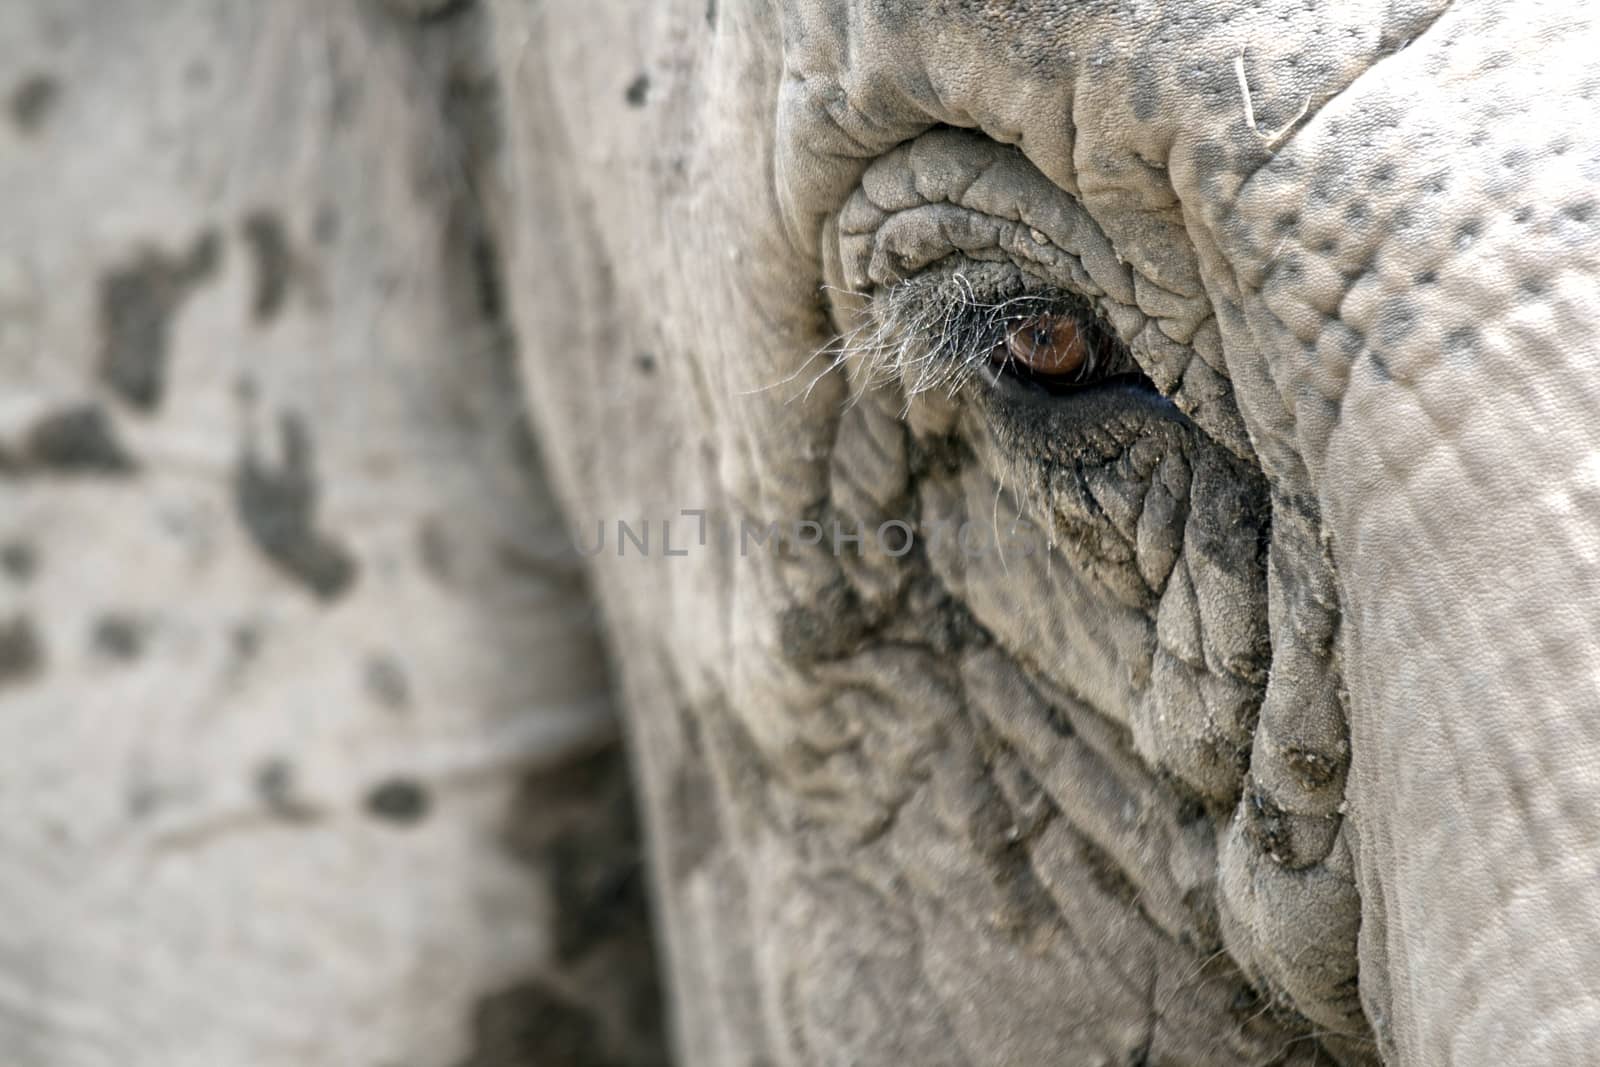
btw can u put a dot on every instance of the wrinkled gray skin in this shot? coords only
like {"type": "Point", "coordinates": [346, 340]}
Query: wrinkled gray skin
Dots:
{"type": "Point", "coordinates": [1302, 701]}
{"type": "Point", "coordinates": [1282, 753]}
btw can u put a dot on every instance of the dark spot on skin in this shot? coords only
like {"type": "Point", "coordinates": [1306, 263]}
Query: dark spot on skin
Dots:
{"type": "Point", "coordinates": [275, 786]}
{"type": "Point", "coordinates": [119, 637]}
{"type": "Point", "coordinates": [830, 628]}
{"type": "Point", "coordinates": [576, 824]}
{"type": "Point", "coordinates": [1246, 1004]}
{"type": "Point", "coordinates": [398, 800]}
{"type": "Point", "coordinates": [638, 91]}
{"type": "Point", "coordinates": [1312, 768]}
{"type": "Point", "coordinates": [33, 100]}
{"type": "Point", "coordinates": [1461, 341]}
{"type": "Point", "coordinates": [1579, 212]}
{"type": "Point", "coordinates": [531, 1026]}
{"type": "Point", "coordinates": [486, 279]}
{"type": "Point", "coordinates": [268, 241]}
{"type": "Point", "coordinates": [18, 559]}
{"type": "Point", "coordinates": [1427, 277]}
{"type": "Point", "coordinates": [21, 651]}
{"type": "Point", "coordinates": [1466, 234]}
{"type": "Point", "coordinates": [945, 623]}
{"type": "Point", "coordinates": [137, 303]}
{"type": "Point", "coordinates": [278, 510]}
{"type": "Point", "coordinates": [1380, 366]}
{"type": "Point", "coordinates": [1146, 88]}
{"type": "Point", "coordinates": [711, 13]}
{"type": "Point", "coordinates": [1395, 323]}
{"type": "Point", "coordinates": [386, 681]}
{"type": "Point", "coordinates": [646, 363]}
{"type": "Point", "coordinates": [74, 441]}
{"type": "Point", "coordinates": [1266, 826]}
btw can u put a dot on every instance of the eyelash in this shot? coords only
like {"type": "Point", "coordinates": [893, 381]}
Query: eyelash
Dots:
{"type": "Point", "coordinates": [935, 331]}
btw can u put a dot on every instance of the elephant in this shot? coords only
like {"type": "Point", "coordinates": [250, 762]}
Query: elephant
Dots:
{"type": "Point", "coordinates": [1076, 505]}
{"type": "Point", "coordinates": [1256, 332]}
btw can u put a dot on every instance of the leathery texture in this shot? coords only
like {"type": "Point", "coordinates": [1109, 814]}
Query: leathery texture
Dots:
{"type": "Point", "coordinates": [1191, 618]}
{"type": "Point", "coordinates": [1079, 804]}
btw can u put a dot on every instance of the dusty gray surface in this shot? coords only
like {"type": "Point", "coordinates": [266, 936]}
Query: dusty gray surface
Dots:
{"type": "Point", "coordinates": [286, 680]}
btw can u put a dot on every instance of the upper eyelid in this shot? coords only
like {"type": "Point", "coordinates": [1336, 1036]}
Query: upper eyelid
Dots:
{"type": "Point", "coordinates": [910, 240]}
{"type": "Point", "coordinates": [947, 172]}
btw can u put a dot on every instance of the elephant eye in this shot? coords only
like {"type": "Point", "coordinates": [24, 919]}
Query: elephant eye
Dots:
{"type": "Point", "coordinates": [1056, 348]}
{"type": "Point", "coordinates": [983, 323]}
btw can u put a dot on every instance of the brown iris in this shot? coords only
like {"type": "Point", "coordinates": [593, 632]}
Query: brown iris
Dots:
{"type": "Point", "coordinates": [1050, 346]}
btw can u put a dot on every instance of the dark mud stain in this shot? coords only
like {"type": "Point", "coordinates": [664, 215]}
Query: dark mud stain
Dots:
{"type": "Point", "coordinates": [19, 560]}
{"type": "Point", "coordinates": [398, 800]}
{"type": "Point", "coordinates": [530, 1025]}
{"type": "Point", "coordinates": [638, 91]}
{"type": "Point", "coordinates": [275, 785]}
{"type": "Point", "coordinates": [386, 682]}
{"type": "Point", "coordinates": [268, 242]}
{"type": "Point", "coordinates": [137, 303]}
{"type": "Point", "coordinates": [278, 510]}
{"type": "Point", "coordinates": [21, 651]}
{"type": "Point", "coordinates": [577, 825]}
{"type": "Point", "coordinates": [33, 100]}
{"type": "Point", "coordinates": [77, 440]}
{"type": "Point", "coordinates": [119, 637]}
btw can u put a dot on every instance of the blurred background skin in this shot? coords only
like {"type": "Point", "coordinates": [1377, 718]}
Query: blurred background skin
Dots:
{"type": "Point", "coordinates": [306, 749]}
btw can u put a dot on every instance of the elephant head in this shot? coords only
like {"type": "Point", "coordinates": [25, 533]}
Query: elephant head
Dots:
{"type": "Point", "coordinates": [1111, 569]}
